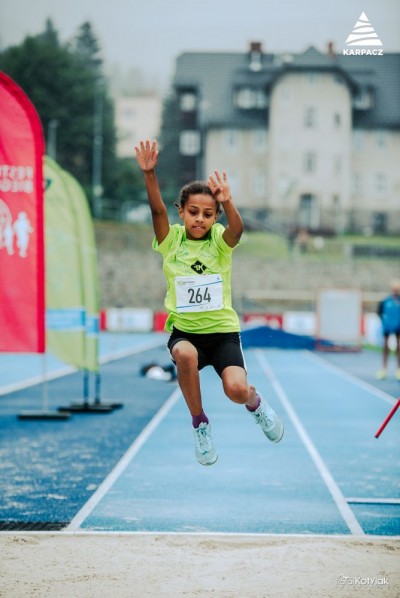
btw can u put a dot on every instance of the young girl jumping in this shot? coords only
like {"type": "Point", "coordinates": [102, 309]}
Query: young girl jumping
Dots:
{"type": "Point", "coordinates": [205, 329]}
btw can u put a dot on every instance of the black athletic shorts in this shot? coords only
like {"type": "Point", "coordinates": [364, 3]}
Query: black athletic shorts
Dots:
{"type": "Point", "coordinates": [219, 349]}
{"type": "Point", "coordinates": [388, 333]}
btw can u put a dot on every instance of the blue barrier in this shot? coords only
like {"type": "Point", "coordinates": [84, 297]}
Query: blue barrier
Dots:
{"type": "Point", "coordinates": [265, 336]}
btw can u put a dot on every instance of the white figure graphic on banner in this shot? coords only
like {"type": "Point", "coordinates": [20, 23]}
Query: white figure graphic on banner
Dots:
{"type": "Point", "coordinates": [6, 229]}
{"type": "Point", "coordinates": [21, 229]}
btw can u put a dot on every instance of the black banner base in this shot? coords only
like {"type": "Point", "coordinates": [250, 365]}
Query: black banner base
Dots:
{"type": "Point", "coordinates": [86, 408]}
{"type": "Point", "coordinates": [111, 405]}
{"type": "Point", "coordinates": [44, 415]}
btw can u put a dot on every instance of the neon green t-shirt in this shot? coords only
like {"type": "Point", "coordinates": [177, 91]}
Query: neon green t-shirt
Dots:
{"type": "Point", "coordinates": [198, 277]}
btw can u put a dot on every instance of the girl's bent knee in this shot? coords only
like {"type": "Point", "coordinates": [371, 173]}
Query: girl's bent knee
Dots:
{"type": "Point", "coordinates": [237, 392]}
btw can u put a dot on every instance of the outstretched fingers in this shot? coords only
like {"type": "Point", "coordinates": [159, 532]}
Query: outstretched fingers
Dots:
{"type": "Point", "coordinates": [146, 147]}
{"type": "Point", "coordinates": [146, 155]}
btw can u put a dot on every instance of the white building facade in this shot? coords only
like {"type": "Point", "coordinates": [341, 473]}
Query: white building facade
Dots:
{"type": "Point", "coordinates": [307, 140]}
{"type": "Point", "coordinates": [136, 118]}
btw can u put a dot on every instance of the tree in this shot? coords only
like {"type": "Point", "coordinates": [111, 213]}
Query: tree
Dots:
{"type": "Point", "coordinates": [60, 80]}
{"type": "Point", "coordinates": [87, 46]}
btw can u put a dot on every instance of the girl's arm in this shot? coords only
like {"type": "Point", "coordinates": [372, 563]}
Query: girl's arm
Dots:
{"type": "Point", "coordinates": [222, 193]}
{"type": "Point", "coordinates": [147, 155]}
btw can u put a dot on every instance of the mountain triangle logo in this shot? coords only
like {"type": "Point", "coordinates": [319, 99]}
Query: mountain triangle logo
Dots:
{"type": "Point", "coordinates": [363, 35]}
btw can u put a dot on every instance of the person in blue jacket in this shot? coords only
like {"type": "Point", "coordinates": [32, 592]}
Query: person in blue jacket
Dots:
{"type": "Point", "coordinates": [389, 313]}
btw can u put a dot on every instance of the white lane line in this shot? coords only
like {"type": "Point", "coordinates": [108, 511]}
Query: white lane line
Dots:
{"type": "Point", "coordinates": [59, 373]}
{"type": "Point", "coordinates": [115, 473]}
{"type": "Point", "coordinates": [118, 354]}
{"type": "Point", "coordinates": [230, 535]}
{"type": "Point", "coordinates": [323, 470]}
{"type": "Point", "coordinates": [66, 370]}
{"type": "Point", "coordinates": [351, 378]}
{"type": "Point", "coordinates": [373, 501]}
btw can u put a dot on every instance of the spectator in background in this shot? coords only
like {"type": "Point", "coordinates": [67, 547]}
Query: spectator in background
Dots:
{"type": "Point", "coordinates": [389, 313]}
{"type": "Point", "coordinates": [302, 240]}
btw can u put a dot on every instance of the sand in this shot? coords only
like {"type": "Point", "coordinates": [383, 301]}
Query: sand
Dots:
{"type": "Point", "coordinates": [153, 566]}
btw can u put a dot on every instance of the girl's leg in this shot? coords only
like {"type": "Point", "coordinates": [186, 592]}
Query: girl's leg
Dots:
{"type": "Point", "coordinates": [236, 387]}
{"type": "Point", "coordinates": [385, 351]}
{"type": "Point", "coordinates": [186, 358]}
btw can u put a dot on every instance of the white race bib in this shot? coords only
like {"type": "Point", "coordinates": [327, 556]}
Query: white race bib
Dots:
{"type": "Point", "coordinates": [198, 293]}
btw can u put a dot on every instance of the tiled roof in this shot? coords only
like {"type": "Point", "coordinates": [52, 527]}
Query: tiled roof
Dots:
{"type": "Point", "coordinates": [215, 75]}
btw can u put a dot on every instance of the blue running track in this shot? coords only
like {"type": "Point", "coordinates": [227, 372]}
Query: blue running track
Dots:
{"type": "Point", "coordinates": [134, 470]}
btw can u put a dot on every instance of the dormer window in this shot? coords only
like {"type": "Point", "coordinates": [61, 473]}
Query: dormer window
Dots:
{"type": "Point", "coordinates": [249, 98]}
{"type": "Point", "coordinates": [189, 143]}
{"type": "Point", "coordinates": [188, 101]}
{"type": "Point", "coordinates": [363, 100]}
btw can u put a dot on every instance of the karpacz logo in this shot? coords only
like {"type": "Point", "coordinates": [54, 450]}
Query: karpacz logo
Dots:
{"type": "Point", "coordinates": [363, 35]}
{"type": "Point", "coordinates": [198, 267]}
{"type": "Point", "coordinates": [363, 52]}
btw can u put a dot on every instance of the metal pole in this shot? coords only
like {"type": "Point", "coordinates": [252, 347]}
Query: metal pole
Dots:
{"type": "Point", "coordinates": [97, 382]}
{"type": "Point", "coordinates": [45, 390]}
{"type": "Point", "coordinates": [97, 188]}
{"type": "Point", "coordinates": [85, 387]}
{"type": "Point", "coordinates": [52, 138]}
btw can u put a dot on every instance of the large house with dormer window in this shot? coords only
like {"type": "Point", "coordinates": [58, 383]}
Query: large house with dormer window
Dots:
{"type": "Point", "coordinates": [310, 140]}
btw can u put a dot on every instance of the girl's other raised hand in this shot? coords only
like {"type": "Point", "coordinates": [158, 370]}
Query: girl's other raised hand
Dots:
{"type": "Point", "coordinates": [147, 155]}
{"type": "Point", "coordinates": [219, 186]}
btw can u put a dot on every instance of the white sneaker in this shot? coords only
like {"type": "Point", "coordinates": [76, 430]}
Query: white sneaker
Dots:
{"type": "Point", "coordinates": [269, 421]}
{"type": "Point", "coordinates": [203, 445]}
{"type": "Point", "coordinates": [381, 374]}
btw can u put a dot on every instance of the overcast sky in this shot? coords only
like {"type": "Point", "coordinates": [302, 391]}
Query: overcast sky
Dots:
{"type": "Point", "coordinates": [150, 34]}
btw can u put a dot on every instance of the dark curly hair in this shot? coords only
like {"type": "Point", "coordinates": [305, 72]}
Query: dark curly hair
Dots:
{"type": "Point", "coordinates": [196, 188]}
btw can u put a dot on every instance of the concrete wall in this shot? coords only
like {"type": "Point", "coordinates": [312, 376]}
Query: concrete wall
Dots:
{"type": "Point", "coordinates": [131, 273]}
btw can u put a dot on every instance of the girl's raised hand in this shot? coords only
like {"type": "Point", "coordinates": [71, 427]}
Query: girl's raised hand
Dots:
{"type": "Point", "coordinates": [219, 186]}
{"type": "Point", "coordinates": [147, 155]}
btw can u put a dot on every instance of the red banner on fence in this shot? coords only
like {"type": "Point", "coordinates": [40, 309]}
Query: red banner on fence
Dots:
{"type": "Point", "coordinates": [22, 327]}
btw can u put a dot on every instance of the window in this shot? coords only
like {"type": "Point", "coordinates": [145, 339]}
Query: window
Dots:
{"type": "Point", "coordinates": [249, 98]}
{"type": "Point", "coordinates": [286, 95]}
{"type": "Point", "coordinates": [188, 102]}
{"type": "Point", "coordinates": [363, 100]}
{"type": "Point", "coordinates": [234, 182]}
{"type": "Point", "coordinates": [381, 139]}
{"type": "Point", "coordinates": [259, 184]}
{"type": "Point", "coordinates": [189, 143]}
{"type": "Point", "coordinates": [310, 117]}
{"type": "Point", "coordinates": [245, 98]}
{"type": "Point", "coordinates": [379, 223]}
{"type": "Point", "coordinates": [380, 183]}
{"type": "Point", "coordinates": [128, 113]}
{"type": "Point", "coordinates": [337, 164]}
{"type": "Point", "coordinates": [358, 140]}
{"type": "Point", "coordinates": [357, 183]}
{"type": "Point", "coordinates": [255, 61]}
{"type": "Point", "coordinates": [310, 162]}
{"type": "Point", "coordinates": [284, 185]}
{"type": "Point", "coordinates": [308, 210]}
{"type": "Point", "coordinates": [259, 140]}
{"type": "Point", "coordinates": [231, 140]}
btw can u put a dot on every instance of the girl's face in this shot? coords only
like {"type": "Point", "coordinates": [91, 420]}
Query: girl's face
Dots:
{"type": "Point", "coordinates": [198, 214]}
